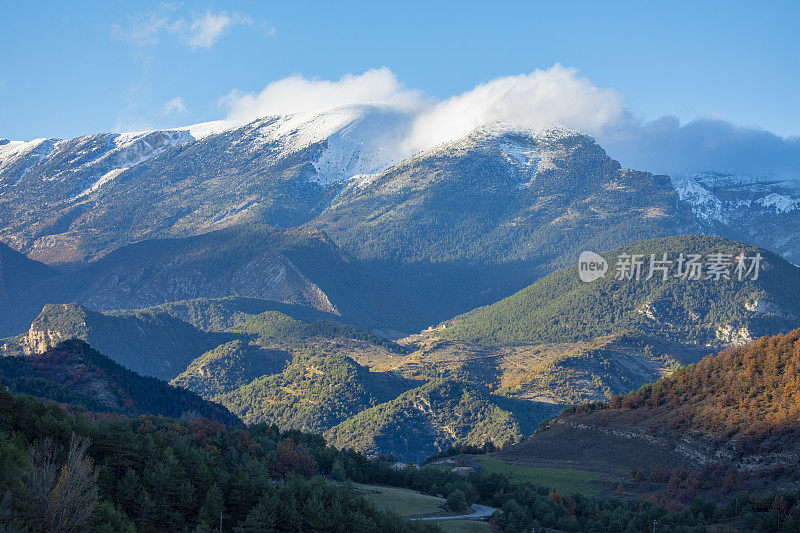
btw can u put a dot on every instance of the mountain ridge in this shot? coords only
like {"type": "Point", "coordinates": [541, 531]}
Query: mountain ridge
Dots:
{"type": "Point", "coordinates": [74, 373]}
{"type": "Point", "coordinates": [560, 307]}
{"type": "Point", "coordinates": [526, 199]}
{"type": "Point", "coordinates": [302, 268]}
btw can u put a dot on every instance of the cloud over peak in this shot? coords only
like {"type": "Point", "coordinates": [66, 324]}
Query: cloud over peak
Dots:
{"type": "Point", "coordinates": [541, 99]}
{"type": "Point", "coordinates": [296, 94]}
{"type": "Point", "coordinates": [538, 100]}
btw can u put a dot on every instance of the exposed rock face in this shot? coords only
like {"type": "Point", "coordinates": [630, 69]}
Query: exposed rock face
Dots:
{"type": "Point", "coordinates": [149, 343]}
{"type": "Point", "coordinates": [54, 324]}
{"type": "Point", "coordinates": [273, 277]}
{"type": "Point", "coordinates": [766, 307]}
{"type": "Point", "coordinates": [37, 341]}
{"type": "Point", "coordinates": [731, 336]}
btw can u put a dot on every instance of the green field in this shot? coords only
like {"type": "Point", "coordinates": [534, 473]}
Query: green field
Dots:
{"type": "Point", "coordinates": [561, 479]}
{"type": "Point", "coordinates": [412, 504]}
{"type": "Point", "coordinates": [405, 502]}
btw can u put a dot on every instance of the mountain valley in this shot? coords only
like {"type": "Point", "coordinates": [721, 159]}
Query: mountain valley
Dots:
{"type": "Point", "coordinates": [304, 271]}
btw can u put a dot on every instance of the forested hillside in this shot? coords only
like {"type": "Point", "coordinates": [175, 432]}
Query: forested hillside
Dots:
{"type": "Point", "coordinates": [228, 367]}
{"type": "Point", "coordinates": [74, 373]}
{"type": "Point", "coordinates": [436, 416]}
{"type": "Point", "coordinates": [558, 373]}
{"type": "Point", "coordinates": [217, 314]}
{"type": "Point", "coordinates": [726, 423]}
{"type": "Point", "coordinates": [747, 395]}
{"type": "Point", "coordinates": [559, 341]}
{"type": "Point", "coordinates": [560, 307]}
{"type": "Point", "coordinates": [314, 392]}
{"type": "Point", "coordinates": [274, 326]}
{"type": "Point", "coordinates": [158, 474]}
{"type": "Point", "coordinates": [300, 271]}
{"type": "Point", "coordinates": [149, 473]}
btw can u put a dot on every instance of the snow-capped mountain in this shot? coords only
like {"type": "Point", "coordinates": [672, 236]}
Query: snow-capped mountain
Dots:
{"type": "Point", "coordinates": [358, 139]}
{"type": "Point", "coordinates": [281, 170]}
{"type": "Point", "coordinates": [457, 226]}
{"type": "Point", "coordinates": [757, 210]}
{"type": "Point", "coordinates": [81, 165]}
{"type": "Point", "coordinates": [503, 184]}
{"type": "Point", "coordinates": [499, 194]}
{"type": "Point", "coordinates": [471, 221]}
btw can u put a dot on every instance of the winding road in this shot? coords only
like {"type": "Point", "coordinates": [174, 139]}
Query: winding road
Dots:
{"type": "Point", "coordinates": [481, 511]}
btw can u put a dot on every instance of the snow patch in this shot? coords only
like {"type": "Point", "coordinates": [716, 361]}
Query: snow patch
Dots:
{"type": "Point", "coordinates": [719, 196]}
{"type": "Point", "coordinates": [704, 203]}
{"type": "Point", "coordinates": [518, 154]}
{"type": "Point", "coordinates": [105, 178]}
{"type": "Point", "coordinates": [352, 140]}
{"type": "Point", "coordinates": [362, 180]}
{"type": "Point", "coordinates": [11, 151]}
{"type": "Point", "coordinates": [134, 148]}
{"type": "Point", "coordinates": [780, 202]}
{"type": "Point", "coordinates": [206, 129]}
{"type": "Point", "coordinates": [292, 133]}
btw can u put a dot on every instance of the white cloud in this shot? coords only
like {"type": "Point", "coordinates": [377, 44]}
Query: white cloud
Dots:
{"type": "Point", "coordinates": [541, 99]}
{"type": "Point", "coordinates": [537, 100]}
{"type": "Point", "coordinates": [201, 31]}
{"type": "Point", "coordinates": [174, 106]}
{"type": "Point", "coordinates": [141, 32]}
{"type": "Point", "coordinates": [299, 94]}
{"type": "Point", "coordinates": [206, 31]}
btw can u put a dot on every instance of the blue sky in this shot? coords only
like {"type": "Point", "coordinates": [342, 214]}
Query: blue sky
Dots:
{"type": "Point", "coordinates": [71, 68]}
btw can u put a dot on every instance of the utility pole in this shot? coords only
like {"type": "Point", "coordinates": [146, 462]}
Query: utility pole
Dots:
{"type": "Point", "coordinates": [220, 522]}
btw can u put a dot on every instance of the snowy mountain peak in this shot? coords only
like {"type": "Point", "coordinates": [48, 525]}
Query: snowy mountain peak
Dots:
{"type": "Point", "coordinates": [344, 141]}
{"type": "Point", "coordinates": [351, 139]}
{"type": "Point", "coordinates": [517, 144]}
{"type": "Point", "coordinates": [495, 132]}
{"type": "Point", "coordinates": [527, 151]}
